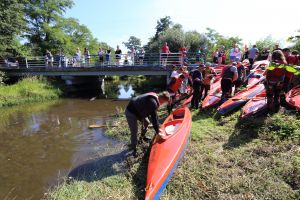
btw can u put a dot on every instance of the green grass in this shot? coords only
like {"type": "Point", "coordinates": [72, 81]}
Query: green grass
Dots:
{"type": "Point", "coordinates": [31, 89]}
{"type": "Point", "coordinates": [226, 158]}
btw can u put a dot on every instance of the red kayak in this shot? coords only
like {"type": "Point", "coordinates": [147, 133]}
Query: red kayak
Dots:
{"type": "Point", "coordinates": [293, 97]}
{"type": "Point", "coordinates": [239, 99]}
{"type": "Point", "coordinates": [255, 78]}
{"type": "Point", "coordinates": [167, 149]}
{"type": "Point", "coordinates": [255, 105]}
{"type": "Point", "coordinates": [214, 95]}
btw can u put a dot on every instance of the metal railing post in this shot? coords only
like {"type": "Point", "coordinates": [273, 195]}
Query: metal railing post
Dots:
{"type": "Point", "coordinates": [26, 62]}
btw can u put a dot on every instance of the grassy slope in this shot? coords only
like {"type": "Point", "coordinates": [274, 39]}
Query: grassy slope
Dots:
{"type": "Point", "coordinates": [30, 89]}
{"type": "Point", "coordinates": [226, 159]}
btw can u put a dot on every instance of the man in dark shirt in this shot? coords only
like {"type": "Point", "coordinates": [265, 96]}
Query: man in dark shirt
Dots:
{"type": "Point", "coordinates": [197, 83]}
{"type": "Point", "coordinates": [139, 109]}
{"type": "Point", "coordinates": [229, 75]}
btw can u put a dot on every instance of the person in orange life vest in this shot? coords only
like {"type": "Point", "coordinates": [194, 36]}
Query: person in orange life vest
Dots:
{"type": "Point", "coordinates": [274, 81]}
{"type": "Point", "coordinates": [208, 74]}
{"type": "Point", "coordinates": [229, 75]}
{"type": "Point", "coordinates": [289, 76]}
{"type": "Point", "coordinates": [139, 109]}
{"type": "Point", "coordinates": [173, 88]}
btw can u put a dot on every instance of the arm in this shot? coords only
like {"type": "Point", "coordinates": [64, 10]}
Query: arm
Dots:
{"type": "Point", "coordinates": [155, 123]}
{"type": "Point", "coordinates": [235, 76]}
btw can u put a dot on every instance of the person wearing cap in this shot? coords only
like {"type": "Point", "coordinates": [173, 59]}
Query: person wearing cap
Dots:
{"type": "Point", "coordinates": [140, 108]}
{"type": "Point", "coordinates": [229, 75]}
{"type": "Point", "coordinates": [197, 79]}
{"type": "Point", "coordinates": [208, 74]}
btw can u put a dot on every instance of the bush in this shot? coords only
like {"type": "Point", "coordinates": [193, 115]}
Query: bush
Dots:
{"type": "Point", "coordinates": [3, 78]}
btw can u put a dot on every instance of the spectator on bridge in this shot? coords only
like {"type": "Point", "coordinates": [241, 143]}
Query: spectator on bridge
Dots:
{"type": "Point", "coordinates": [77, 57]}
{"type": "Point", "coordinates": [221, 55]}
{"type": "Point", "coordinates": [165, 51]}
{"type": "Point", "coordinates": [107, 56]}
{"type": "Point", "coordinates": [132, 55]}
{"type": "Point", "coordinates": [246, 53]}
{"type": "Point", "coordinates": [232, 53]}
{"type": "Point", "coordinates": [49, 58]}
{"type": "Point", "coordinates": [100, 54]}
{"type": "Point", "coordinates": [87, 56]}
{"type": "Point", "coordinates": [118, 54]}
{"type": "Point", "coordinates": [253, 53]}
{"type": "Point", "coordinates": [141, 56]}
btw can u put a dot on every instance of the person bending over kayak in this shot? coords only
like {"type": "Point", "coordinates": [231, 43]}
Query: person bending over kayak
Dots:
{"type": "Point", "coordinates": [275, 81]}
{"type": "Point", "coordinates": [229, 75]}
{"type": "Point", "coordinates": [139, 109]}
{"type": "Point", "coordinates": [241, 76]}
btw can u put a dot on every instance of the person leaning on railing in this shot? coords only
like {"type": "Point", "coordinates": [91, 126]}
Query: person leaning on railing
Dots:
{"type": "Point", "coordinates": [49, 58]}
{"type": "Point", "coordinates": [165, 51]}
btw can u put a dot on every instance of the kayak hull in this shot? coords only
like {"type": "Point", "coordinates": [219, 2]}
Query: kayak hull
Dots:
{"type": "Point", "coordinates": [239, 99]}
{"type": "Point", "coordinates": [167, 149]}
{"type": "Point", "coordinates": [292, 98]}
{"type": "Point", "coordinates": [213, 97]}
{"type": "Point", "coordinates": [256, 105]}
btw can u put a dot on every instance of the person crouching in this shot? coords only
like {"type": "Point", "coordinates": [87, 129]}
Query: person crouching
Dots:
{"type": "Point", "coordinates": [140, 108]}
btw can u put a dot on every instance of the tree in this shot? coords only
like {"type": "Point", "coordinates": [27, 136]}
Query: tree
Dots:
{"type": "Point", "coordinates": [296, 40]}
{"type": "Point", "coordinates": [267, 42]}
{"type": "Point", "coordinates": [11, 24]}
{"type": "Point", "coordinates": [133, 42]}
{"type": "Point", "coordinates": [162, 25]}
{"type": "Point", "coordinates": [41, 17]}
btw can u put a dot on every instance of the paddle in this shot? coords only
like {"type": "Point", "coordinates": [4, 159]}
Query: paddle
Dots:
{"type": "Point", "coordinates": [101, 126]}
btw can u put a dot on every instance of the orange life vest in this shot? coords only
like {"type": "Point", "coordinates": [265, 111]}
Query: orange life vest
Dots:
{"type": "Point", "coordinates": [175, 86]}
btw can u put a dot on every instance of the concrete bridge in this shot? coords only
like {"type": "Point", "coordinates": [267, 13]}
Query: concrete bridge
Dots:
{"type": "Point", "coordinates": [87, 71]}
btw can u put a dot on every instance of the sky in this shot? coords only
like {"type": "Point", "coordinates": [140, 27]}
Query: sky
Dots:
{"type": "Point", "coordinates": [114, 21]}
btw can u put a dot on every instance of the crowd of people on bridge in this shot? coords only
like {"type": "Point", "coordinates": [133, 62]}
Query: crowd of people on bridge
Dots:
{"type": "Point", "coordinates": [103, 57]}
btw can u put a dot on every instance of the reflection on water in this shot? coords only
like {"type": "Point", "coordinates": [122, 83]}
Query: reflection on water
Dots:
{"type": "Point", "coordinates": [42, 141]}
{"type": "Point", "coordinates": [125, 91]}
{"type": "Point", "coordinates": [39, 143]}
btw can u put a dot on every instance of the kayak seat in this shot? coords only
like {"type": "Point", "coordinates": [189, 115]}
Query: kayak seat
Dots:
{"type": "Point", "coordinates": [172, 126]}
{"type": "Point", "coordinates": [178, 114]}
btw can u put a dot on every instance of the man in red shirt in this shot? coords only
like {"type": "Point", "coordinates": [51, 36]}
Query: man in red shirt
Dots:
{"type": "Point", "coordinates": [164, 54]}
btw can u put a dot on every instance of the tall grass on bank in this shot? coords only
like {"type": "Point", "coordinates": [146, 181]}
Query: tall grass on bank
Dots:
{"type": "Point", "coordinates": [226, 158]}
{"type": "Point", "coordinates": [30, 89]}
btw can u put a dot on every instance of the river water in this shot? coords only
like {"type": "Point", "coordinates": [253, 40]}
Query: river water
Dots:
{"type": "Point", "coordinates": [42, 142]}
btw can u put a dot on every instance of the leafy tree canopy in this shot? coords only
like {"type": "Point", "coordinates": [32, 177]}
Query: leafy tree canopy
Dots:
{"type": "Point", "coordinates": [133, 42]}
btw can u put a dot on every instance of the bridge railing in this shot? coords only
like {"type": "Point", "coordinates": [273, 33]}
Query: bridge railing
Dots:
{"type": "Point", "coordinates": [147, 59]}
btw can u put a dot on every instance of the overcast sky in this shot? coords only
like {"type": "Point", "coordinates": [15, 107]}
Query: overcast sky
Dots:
{"type": "Point", "coordinates": [114, 21]}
